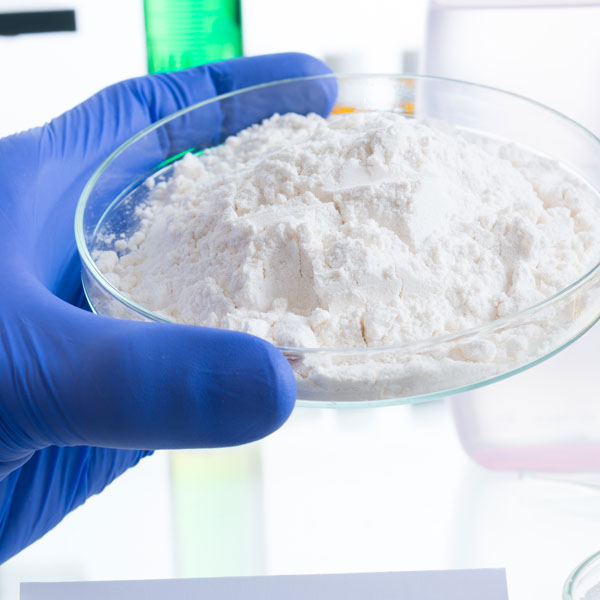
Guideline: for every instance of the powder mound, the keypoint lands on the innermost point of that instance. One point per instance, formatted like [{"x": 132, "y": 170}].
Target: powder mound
[{"x": 362, "y": 229}]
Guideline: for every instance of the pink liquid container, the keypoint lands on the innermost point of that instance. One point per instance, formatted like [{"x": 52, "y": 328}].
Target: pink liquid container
[{"x": 545, "y": 419}]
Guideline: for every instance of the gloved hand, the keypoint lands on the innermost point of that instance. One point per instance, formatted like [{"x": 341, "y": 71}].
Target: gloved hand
[{"x": 84, "y": 397}]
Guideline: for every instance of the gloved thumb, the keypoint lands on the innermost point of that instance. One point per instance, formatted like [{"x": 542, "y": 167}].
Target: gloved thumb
[{"x": 126, "y": 384}]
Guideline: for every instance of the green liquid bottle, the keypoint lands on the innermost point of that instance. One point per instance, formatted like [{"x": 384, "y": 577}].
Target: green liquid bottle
[{"x": 186, "y": 33}]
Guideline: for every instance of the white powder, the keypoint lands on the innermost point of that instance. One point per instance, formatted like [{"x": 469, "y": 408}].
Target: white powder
[{"x": 360, "y": 230}]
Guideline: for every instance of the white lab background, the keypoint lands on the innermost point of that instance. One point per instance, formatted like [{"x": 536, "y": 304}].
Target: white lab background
[{"x": 332, "y": 491}]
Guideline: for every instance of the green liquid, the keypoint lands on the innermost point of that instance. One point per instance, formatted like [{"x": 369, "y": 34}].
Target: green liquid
[{"x": 186, "y": 33}]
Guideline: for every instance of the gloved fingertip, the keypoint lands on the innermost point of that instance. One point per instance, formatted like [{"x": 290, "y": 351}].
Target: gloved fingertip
[
  {"x": 263, "y": 390},
  {"x": 282, "y": 387},
  {"x": 159, "y": 385},
  {"x": 303, "y": 65}
]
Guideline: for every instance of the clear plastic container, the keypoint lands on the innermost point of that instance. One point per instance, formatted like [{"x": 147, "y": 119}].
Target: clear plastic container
[
  {"x": 373, "y": 376},
  {"x": 548, "y": 419}
]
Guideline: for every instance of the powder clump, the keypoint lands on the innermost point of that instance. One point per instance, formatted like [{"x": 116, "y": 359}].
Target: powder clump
[{"x": 359, "y": 230}]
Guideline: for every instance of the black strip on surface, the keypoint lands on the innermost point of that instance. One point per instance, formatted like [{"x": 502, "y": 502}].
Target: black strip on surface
[{"x": 37, "y": 22}]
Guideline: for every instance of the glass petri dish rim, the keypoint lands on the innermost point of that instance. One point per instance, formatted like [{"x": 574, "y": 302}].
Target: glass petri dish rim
[
  {"x": 416, "y": 345},
  {"x": 576, "y": 573}
]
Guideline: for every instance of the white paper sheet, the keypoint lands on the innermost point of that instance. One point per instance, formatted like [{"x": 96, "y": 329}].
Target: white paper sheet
[{"x": 479, "y": 584}]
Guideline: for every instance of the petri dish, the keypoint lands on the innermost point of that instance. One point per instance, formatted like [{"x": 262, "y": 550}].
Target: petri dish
[
  {"x": 584, "y": 582},
  {"x": 373, "y": 376}
]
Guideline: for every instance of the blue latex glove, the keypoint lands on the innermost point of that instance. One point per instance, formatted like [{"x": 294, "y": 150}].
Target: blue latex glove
[{"x": 85, "y": 397}]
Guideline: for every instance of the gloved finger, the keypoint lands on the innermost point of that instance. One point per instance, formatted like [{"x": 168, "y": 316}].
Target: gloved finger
[
  {"x": 99, "y": 125},
  {"x": 54, "y": 482},
  {"x": 91, "y": 380}
]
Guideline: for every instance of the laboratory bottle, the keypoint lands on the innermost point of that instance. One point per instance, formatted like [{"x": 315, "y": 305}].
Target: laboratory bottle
[{"x": 185, "y": 33}]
